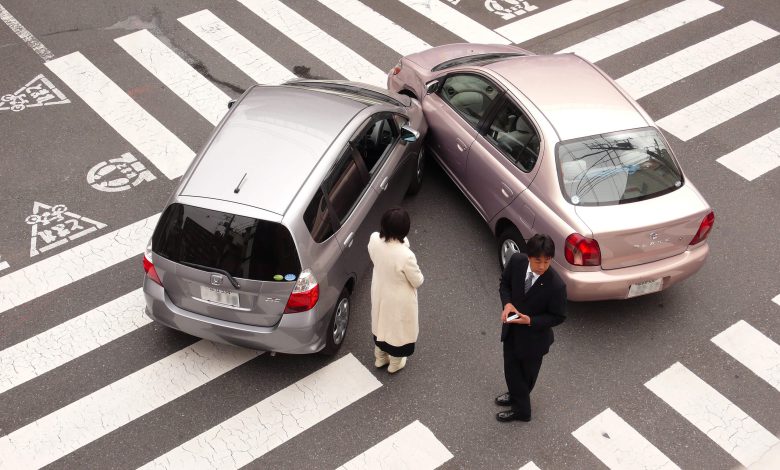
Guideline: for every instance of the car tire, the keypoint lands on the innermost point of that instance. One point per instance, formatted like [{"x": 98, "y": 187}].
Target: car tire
[
  {"x": 338, "y": 324},
  {"x": 509, "y": 242},
  {"x": 419, "y": 172}
]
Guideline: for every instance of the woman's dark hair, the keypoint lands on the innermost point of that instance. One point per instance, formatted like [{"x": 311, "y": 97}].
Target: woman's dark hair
[
  {"x": 540, "y": 245},
  {"x": 394, "y": 225}
]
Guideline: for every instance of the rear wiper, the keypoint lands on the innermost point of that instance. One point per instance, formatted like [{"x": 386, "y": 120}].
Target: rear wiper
[{"x": 216, "y": 270}]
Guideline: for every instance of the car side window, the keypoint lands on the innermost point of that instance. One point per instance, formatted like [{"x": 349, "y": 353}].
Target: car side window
[
  {"x": 512, "y": 133},
  {"x": 345, "y": 183},
  {"x": 317, "y": 218},
  {"x": 375, "y": 141},
  {"x": 470, "y": 95}
]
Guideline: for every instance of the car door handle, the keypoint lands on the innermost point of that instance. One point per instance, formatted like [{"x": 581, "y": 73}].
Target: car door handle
[
  {"x": 461, "y": 146},
  {"x": 383, "y": 184},
  {"x": 506, "y": 191},
  {"x": 350, "y": 238}
]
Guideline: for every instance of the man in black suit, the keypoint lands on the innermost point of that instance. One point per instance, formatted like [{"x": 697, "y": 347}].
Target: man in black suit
[{"x": 537, "y": 296}]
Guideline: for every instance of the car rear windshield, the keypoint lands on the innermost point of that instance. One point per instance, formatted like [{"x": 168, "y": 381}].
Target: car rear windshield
[
  {"x": 482, "y": 59},
  {"x": 617, "y": 168},
  {"x": 245, "y": 247}
]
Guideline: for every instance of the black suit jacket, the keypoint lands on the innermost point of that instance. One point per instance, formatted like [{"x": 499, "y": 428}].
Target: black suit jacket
[{"x": 545, "y": 303}]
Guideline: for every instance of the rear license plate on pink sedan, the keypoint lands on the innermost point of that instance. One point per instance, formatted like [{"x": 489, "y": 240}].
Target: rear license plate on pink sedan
[
  {"x": 219, "y": 296},
  {"x": 647, "y": 287}
]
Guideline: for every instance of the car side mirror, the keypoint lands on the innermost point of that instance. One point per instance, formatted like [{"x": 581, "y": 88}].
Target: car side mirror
[
  {"x": 231, "y": 103},
  {"x": 431, "y": 87},
  {"x": 408, "y": 134}
]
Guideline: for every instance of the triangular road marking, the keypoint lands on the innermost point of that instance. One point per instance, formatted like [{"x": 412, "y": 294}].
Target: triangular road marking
[
  {"x": 55, "y": 226},
  {"x": 38, "y": 92}
]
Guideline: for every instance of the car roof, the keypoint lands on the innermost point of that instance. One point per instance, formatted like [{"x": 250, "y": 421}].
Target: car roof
[
  {"x": 574, "y": 95},
  {"x": 272, "y": 140}
]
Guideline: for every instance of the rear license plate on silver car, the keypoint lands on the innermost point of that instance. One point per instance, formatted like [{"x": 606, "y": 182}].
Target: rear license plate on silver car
[
  {"x": 219, "y": 296},
  {"x": 647, "y": 287}
]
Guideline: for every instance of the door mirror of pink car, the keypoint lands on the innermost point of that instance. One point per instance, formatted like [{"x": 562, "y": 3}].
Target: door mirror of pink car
[
  {"x": 431, "y": 87},
  {"x": 408, "y": 134}
]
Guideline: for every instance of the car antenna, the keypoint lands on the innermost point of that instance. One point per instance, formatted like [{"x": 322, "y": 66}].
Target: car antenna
[{"x": 238, "y": 187}]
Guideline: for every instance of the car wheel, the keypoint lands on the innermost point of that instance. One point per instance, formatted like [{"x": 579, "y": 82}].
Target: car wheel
[
  {"x": 337, "y": 327},
  {"x": 509, "y": 242},
  {"x": 419, "y": 172}
]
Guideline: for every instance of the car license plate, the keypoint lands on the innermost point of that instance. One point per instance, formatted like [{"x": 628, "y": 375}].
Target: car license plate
[
  {"x": 647, "y": 287},
  {"x": 219, "y": 296}
]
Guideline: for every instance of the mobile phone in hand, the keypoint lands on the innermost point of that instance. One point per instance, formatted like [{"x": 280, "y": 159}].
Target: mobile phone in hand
[{"x": 512, "y": 317}]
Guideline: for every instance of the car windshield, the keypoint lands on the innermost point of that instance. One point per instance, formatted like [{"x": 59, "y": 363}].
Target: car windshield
[
  {"x": 617, "y": 168},
  {"x": 482, "y": 59}
]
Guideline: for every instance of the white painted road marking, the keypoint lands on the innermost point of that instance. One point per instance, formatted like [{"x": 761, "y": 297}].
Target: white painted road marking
[
  {"x": 316, "y": 41},
  {"x": 726, "y": 104},
  {"x": 192, "y": 87},
  {"x": 556, "y": 17},
  {"x": 381, "y": 28},
  {"x": 717, "y": 417},
  {"x": 26, "y": 36},
  {"x": 413, "y": 447},
  {"x": 529, "y": 466},
  {"x": 158, "y": 144},
  {"x": 3, "y": 265},
  {"x": 753, "y": 349},
  {"x": 118, "y": 174},
  {"x": 695, "y": 58},
  {"x": 619, "y": 445},
  {"x": 237, "y": 49},
  {"x": 275, "y": 420},
  {"x": 55, "y": 226},
  {"x": 455, "y": 21},
  {"x": 776, "y": 299},
  {"x": 755, "y": 158},
  {"x": 39, "y": 91},
  {"x": 50, "y": 274},
  {"x": 72, "y": 339},
  {"x": 636, "y": 32},
  {"x": 83, "y": 421}
]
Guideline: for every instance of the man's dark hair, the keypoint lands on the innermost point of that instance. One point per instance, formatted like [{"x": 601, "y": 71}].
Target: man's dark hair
[
  {"x": 540, "y": 245},
  {"x": 394, "y": 225}
]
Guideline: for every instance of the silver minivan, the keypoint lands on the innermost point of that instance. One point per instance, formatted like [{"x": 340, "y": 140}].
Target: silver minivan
[{"x": 264, "y": 239}]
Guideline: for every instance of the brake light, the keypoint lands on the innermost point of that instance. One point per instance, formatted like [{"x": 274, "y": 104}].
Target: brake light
[
  {"x": 151, "y": 273},
  {"x": 305, "y": 293},
  {"x": 581, "y": 251},
  {"x": 396, "y": 70},
  {"x": 704, "y": 229}
]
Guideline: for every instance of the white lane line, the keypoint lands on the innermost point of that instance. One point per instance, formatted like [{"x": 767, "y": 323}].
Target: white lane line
[
  {"x": 50, "y": 274},
  {"x": 413, "y": 447},
  {"x": 275, "y": 420},
  {"x": 529, "y": 466},
  {"x": 158, "y": 144},
  {"x": 620, "y": 446},
  {"x": 755, "y": 158},
  {"x": 67, "y": 341},
  {"x": 455, "y": 21},
  {"x": 176, "y": 74},
  {"x": 385, "y": 31},
  {"x": 726, "y": 104},
  {"x": 237, "y": 49},
  {"x": 83, "y": 421},
  {"x": 717, "y": 417},
  {"x": 753, "y": 349},
  {"x": 4, "y": 265},
  {"x": 554, "y": 18},
  {"x": 776, "y": 299},
  {"x": 316, "y": 41},
  {"x": 26, "y": 36},
  {"x": 695, "y": 58},
  {"x": 641, "y": 30}
]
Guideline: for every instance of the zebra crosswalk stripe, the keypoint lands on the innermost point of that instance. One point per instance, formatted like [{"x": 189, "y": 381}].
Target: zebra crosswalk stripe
[
  {"x": 755, "y": 158},
  {"x": 713, "y": 414},
  {"x": 237, "y": 49},
  {"x": 638, "y": 31},
  {"x": 618, "y": 445},
  {"x": 316, "y": 41},
  {"x": 192, "y": 87},
  {"x": 158, "y": 144},
  {"x": 753, "y": 349},
  {"x": 87, "y": 419},
  {"x": 692, "y": 59},
  {"x": 456, "y": 22},
  {"x": 275, "y": 420},
  {"x": 413, "y": 447}
]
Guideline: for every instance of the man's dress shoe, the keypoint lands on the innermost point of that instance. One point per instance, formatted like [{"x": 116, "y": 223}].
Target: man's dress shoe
[
  {"x": 510, "y": 415},
  {"x": 504, "y": 400}
]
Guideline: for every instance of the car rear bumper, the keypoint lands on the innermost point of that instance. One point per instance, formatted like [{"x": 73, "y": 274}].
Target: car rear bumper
[
  {"x": 615, "y": 283},
  {"x": 296, "y": 333}
]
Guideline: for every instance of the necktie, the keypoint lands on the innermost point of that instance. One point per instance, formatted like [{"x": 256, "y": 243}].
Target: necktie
[{"x": 529, "y": 281}]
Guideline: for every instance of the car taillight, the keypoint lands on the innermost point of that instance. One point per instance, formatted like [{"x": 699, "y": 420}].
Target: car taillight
[
  {"x": 396, "y": 70},
  {"x": 151, "y": 273},
  {"x": 304, "y": 295},
  {"x": 581, "y": 251},
  {"x": 704, "y": 229}
]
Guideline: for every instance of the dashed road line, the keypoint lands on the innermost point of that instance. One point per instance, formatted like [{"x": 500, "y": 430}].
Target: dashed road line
[{"x": 25, "y": 35}]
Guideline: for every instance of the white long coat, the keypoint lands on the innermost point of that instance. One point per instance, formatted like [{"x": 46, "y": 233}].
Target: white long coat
[{"x": 394, "y": 284}]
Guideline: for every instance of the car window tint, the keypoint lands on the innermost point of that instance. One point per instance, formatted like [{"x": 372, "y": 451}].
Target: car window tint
[
  {"x": 469, "y": 95},
  {"x": 344, "y": 185},
  {"x": 317, "y": 218},
  {"x": 512, "y": 134},
  {"x": 375, "y": 141},
  {"x": 617, "y": 168}
]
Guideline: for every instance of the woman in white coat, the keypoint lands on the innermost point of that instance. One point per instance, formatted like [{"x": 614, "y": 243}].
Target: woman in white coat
[{"x": 394, "y": 284}]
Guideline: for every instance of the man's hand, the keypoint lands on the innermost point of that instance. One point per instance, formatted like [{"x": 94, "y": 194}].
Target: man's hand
[
  {"x": 509, "y": 309},
  {"x": 521, "y": 319}
]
